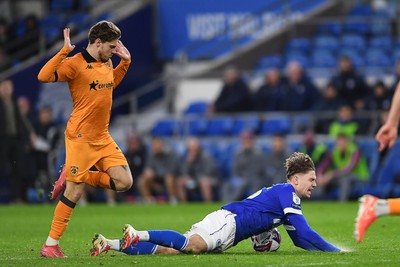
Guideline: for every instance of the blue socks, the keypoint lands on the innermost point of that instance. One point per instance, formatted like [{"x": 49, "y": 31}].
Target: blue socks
[
  {"x": 165, "y": 238},
  {"x": 141, "y": 248},
  {"x": 168, "y": 238}
]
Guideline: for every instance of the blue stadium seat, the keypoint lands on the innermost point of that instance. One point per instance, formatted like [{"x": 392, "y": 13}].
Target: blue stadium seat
[
  {"x": 279, "y": 124},
  {"x": 300, "y": 43},
  {"x": 323, "y": 58},
  {"x": 376, "y": 57},
  {"x": 330, "y": 28},
  {"x": 361, "y": 10},
  {"x": 61, "y": 5},
  {"x": 380, "y": 27},
  {"x": 196, "y": 107},
  {"x": 53, "y": 20},
  {"x": 248, "y": 122},
  {"x": 79, "y": 21},
  {"x": 165, "y": 127},
  {"x": 381, "y": 42},
  {"x": 197, "y": 126},
  {"x": 354, "y": 41},
  {"x": 270, "y": 61},
  {"x": 355, "y": 26},
  {"x": 326, "y": 42},
  {"x": 219, "y": 126}
]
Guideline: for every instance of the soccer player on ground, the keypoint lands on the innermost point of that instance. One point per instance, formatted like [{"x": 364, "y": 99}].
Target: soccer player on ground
[
  {"x": 91, "y": 79},
  {"x": 372, "y": 207},
  {"x": 234, "y": 222}
]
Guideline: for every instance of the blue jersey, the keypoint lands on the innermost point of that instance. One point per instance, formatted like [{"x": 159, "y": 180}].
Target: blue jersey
[
  {"x": 264, "y": 210},
  {"x": 271, "y": 207}
]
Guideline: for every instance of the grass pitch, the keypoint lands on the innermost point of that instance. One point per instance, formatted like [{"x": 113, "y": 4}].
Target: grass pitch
[{"x": 24, "y": 228}]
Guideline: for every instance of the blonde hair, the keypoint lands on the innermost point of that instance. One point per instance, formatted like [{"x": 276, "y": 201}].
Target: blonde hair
[{"x": 298, "y": 163}]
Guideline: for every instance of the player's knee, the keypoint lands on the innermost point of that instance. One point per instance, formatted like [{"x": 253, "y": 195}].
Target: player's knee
[{"x": 126, "y": 184}]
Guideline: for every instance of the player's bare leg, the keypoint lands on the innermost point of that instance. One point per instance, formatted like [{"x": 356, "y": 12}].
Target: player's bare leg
[{"x": 121, "y": 176}]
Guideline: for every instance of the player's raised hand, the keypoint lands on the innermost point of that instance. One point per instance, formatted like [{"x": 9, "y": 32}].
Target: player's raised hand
[
  {"x": 67, "y": 39},
  {"x": 122, "y": 51},
  {"x": 386, "y": 136}
]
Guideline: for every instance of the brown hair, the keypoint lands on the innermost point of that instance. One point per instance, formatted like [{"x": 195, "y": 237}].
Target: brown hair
[
  {"x": 298, "y": 163},
  {"x": 105, "y": 30}
]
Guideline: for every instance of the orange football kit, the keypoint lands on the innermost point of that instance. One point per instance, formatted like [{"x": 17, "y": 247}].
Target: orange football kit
[{"x": 87, "y": 140}]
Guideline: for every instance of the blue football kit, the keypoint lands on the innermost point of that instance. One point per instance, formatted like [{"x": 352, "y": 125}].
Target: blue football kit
[{"x": 271, "y": 207}]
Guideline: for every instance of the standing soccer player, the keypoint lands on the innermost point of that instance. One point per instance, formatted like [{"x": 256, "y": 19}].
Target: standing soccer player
[
  {"x": 236, "y": 221},
  {"x": 371, "y": 207},
  {"x": 91, "y": 79}
]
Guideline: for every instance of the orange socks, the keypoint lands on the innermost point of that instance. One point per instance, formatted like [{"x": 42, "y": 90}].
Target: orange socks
[
  {"x": 62, "y": 214},
  {"x": 394, "y": 205},
  {"x": 100, "y": 179}
]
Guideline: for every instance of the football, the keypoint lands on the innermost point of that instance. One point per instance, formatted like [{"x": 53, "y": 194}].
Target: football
[{"x": 268, "y": 241}]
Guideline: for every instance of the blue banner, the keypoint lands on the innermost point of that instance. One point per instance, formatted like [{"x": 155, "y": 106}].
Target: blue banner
[{"x": 208, "y": 28}]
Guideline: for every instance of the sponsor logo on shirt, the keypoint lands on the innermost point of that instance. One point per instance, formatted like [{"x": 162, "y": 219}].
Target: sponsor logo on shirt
[{"x": 100, "y": 86}]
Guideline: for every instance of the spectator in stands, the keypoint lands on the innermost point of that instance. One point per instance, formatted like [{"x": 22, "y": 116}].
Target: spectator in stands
[
  {"x": 351, "y": 87},
  {"x": 198, "y": 171},
  {"x": 12, "y": 131},
  {"x": 345, "y": 123},
  {"x": 45, "y": 141},
  {"x": 273, "y": 167},
  {"x": 300, "y": 93},
  {"x": 317, "y": 151},
  {"x": 6, "y": 35},
  {"x": 343, "y": 167},
  {"x": 161, "y": 170},
  {"x": 380, "y": 98},
  {"x": 270, "y": 96},
  {"x": 330, "y": 102},
  {"x": 248, "y": 170},
  {"x": 136, "y": 157},
  {"x": 235, "y": 95}
]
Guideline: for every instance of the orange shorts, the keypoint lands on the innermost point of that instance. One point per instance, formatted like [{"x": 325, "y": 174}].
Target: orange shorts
[{"x": 81, "y": 156}]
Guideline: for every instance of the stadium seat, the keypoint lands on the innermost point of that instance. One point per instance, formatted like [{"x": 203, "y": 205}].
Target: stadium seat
[
  {"x": 326, "y": 42},
  {"x": 276, "y": 125},
  {"x": 248, "y": 122},
  {"x": 165, "y": 127},
  {"x": 196, "y": 107},
  {"x": 360, "y": 10},
  {"x": 300, "y": 43},
  {"x": 323, "y": 58},
  {"x": 333, "y": 28},
  {"x": 270, "y": 61},
  {"x": 53, "y": 20},
  {"x": 79, "y": 22},
  {"x": 219, "y": 126},
  {"x": 381, "y": 42},
  {"x": 356, "y": 26},
  {"x": 61, "y": 5},
  {"x": 376, "y": 57},
  {"x": 196, "y": 126},
  {"x": 354, "y": 41},
  {"x": 380, "y": 27}
]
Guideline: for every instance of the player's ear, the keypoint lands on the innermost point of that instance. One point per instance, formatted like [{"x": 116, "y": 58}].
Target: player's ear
[
  {"x": 97, "y": 42},
  {"x": 295, "y": 179}
]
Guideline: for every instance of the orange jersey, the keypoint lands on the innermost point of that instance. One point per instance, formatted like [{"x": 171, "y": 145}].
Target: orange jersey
[{"x": 91, "y": 84}]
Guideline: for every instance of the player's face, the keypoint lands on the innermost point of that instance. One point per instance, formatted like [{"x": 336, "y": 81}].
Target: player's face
[
  {"x": 106, "y": 50},
  {"x": 304, "y": 183}
]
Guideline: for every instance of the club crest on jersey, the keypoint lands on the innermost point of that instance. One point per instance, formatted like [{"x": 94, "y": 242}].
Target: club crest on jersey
[
  {"x": 74, "y": 170},
  {"x": 296, "y": 199}
]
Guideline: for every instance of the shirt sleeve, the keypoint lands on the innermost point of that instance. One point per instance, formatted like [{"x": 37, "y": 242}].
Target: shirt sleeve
[
  {"x": 120, "y": 71},
  {"x": 304, "y": 237},
  {"x": 58, "y": 68},
  {"x": 290, "y": 202}
]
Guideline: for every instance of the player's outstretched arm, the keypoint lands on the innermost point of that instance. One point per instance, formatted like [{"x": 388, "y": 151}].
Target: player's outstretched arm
[
  {"x": 48, "y": 73},
  {"x": 306, "y": 238},
  {"x": 387, "y": 134}
]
